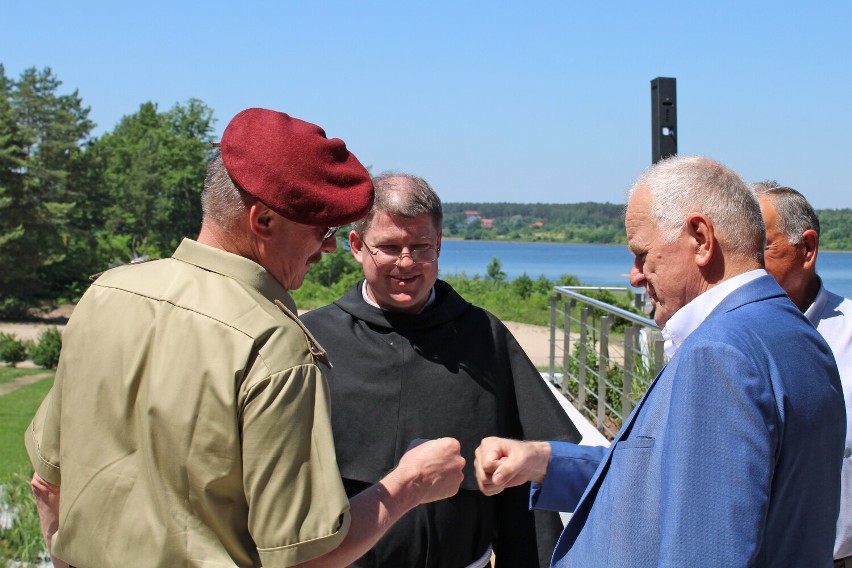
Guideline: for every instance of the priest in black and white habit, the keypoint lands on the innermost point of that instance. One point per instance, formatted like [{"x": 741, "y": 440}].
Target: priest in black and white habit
[{"x": 411, "y": 359}]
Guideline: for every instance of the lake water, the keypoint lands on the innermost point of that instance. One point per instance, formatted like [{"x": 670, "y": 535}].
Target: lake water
[{"x": 598, "y": 265}]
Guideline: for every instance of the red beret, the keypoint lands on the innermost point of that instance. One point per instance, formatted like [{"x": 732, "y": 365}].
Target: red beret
[{"x": 289, "y": 165}]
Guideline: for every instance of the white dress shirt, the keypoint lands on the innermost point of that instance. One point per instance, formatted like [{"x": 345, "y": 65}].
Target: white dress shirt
[
  {"x": 690, "y": 316},
  {"x": 832, "y": 316}
]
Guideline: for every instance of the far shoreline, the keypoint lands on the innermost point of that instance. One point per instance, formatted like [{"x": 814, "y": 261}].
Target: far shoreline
[
  {"x": 546, "y": 242},
  {"x": 461, "y": 239}
]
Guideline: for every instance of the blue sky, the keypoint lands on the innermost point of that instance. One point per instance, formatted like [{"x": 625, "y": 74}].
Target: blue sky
[{"x": 489, "y": 101}]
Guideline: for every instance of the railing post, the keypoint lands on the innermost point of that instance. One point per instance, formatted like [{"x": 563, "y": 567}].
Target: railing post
[
  {"x": 566, "y": 341},
  {"x": 630, "y": 334},
  {"x": 603, "y": 365},
  {"x": 625, "y": 363},
  {"x": 553, "y": 299},
  {"x": 638, "y": 301},
  {"x": 583, "y": 355}
]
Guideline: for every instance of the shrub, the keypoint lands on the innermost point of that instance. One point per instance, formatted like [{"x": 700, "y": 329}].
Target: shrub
[
  {"x": 45, "y": 352},
  {"x": 13, "y": 308},
  {"x": 12, "y": 349},
  {"x": 523, "y": 286}
]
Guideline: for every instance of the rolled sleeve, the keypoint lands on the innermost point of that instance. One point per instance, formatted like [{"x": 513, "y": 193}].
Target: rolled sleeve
[{"x": 42, "y": 439}]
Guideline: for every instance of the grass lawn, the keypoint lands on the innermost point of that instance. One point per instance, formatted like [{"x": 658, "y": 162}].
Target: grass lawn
[
  {"x": 10, "y": 373},
  {"x": 21, "y": 544},
  {"x": 16, "y": 411}
]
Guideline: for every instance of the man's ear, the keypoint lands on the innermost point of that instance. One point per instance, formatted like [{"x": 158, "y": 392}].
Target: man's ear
[
  {"x": 700, "y": 229},
  {"x": 261, "y": 218},
  {"x": 810, "y": 242},
  {"x": 356, "y": 247}
]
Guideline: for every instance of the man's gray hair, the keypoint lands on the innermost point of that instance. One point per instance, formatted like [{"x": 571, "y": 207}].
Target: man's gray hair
[
  {"x": 222, "y": 202},
  {"x": 684, "y": 184},
  {"x": 405, "y": 195},
  {"x": 795, "y": 214}
]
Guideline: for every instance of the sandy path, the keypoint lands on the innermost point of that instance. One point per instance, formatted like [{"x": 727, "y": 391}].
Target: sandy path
[{"x": 534, "y": 339}]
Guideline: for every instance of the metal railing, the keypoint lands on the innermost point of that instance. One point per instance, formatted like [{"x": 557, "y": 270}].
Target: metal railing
[{"x": 605, "y": 357}]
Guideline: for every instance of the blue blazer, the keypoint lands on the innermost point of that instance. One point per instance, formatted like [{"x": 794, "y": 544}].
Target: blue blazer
[{"x": 732, "y": 458}]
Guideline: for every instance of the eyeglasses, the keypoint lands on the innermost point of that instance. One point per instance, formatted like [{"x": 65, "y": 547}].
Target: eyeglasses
[
  {"x": 393, "y": 255},
  {"x": 329, "y": 233}
]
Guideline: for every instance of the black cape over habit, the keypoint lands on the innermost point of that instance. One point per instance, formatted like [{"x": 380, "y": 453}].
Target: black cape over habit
[{"x": 452, "y": 370}]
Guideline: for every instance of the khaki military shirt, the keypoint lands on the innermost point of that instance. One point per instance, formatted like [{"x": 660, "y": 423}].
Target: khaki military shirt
[{"x": 189, "y": 424}]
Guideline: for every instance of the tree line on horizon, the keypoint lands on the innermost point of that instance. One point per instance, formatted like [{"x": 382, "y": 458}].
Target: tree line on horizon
[
  {"x": 73, "y": 204},
  {"x": 585, "y": 223}
]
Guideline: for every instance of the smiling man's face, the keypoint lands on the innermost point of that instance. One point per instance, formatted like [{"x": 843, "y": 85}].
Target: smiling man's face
[{"x": 402, "y": 286}]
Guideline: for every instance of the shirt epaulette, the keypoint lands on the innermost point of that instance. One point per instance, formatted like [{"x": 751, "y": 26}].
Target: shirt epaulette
[
  {"x": 314, "y": 346},
  {"x": 140, "y": 260}
]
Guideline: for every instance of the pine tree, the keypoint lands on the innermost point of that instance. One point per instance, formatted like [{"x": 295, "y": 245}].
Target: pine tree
[
  {"x": 16, "y": 264},
  {"x": 42, "y": 133}
]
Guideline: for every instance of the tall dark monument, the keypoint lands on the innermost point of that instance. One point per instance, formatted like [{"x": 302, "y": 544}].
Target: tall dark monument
[{"x": 663, "y": 118}]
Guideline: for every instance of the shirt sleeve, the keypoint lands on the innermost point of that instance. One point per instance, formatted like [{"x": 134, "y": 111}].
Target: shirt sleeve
[
  {"x": 298, "y": 509},
  {"x": 569, "y": 471},
  {"x": 42, "y": 437}
]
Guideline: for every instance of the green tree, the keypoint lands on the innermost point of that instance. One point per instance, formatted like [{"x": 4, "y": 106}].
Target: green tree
[
  {"x": 551, "y": 222},
  {"x": 13, "y": 245},
  {"x": 42, "y": 137},
  {"x": 153, "y": 167},
  {"x": 495, "y": 270}
]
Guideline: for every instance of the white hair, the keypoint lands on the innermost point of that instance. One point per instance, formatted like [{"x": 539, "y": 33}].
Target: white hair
[{"x": 681, "y": 185}]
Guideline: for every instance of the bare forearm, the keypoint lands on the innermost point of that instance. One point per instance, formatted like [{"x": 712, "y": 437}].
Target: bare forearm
[
  {"x": 47, "y": 503},
  {"x": 373, "y": 512}
]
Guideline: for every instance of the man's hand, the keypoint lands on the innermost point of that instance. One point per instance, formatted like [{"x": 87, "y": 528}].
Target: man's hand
[
  {"x": 47, "y": 503},
  {"x": 502, "y": 463},
  {"x": 431, "y": 470}
]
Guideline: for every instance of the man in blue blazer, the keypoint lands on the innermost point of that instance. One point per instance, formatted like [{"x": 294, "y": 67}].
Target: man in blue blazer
[{"x": 733, "y": 456}]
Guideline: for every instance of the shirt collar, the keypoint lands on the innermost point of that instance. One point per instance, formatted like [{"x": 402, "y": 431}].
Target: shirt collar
[
  {"x": 370, "y": 301},
  {"x": 234, "y": 266},
  {"x": 689, "y": 317},
  {"x": 815, "y": 309}
]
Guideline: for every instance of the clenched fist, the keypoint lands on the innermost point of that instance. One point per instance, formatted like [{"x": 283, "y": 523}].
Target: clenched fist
[
  {"x": 432, "y": 468},
  {"x": 502, "y": 463}
]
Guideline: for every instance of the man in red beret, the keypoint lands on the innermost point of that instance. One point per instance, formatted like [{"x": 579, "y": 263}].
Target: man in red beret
[{"x": 198, "y": 432}]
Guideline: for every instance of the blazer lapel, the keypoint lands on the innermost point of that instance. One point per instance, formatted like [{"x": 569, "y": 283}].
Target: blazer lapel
[{"x": 581, "y": 513}]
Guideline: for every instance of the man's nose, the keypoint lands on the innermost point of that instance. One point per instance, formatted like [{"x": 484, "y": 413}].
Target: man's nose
[
  {"x": 405, "y": 259},
  {"x": 329, "y": 245},
  {"x": 637, "y": 277}
]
